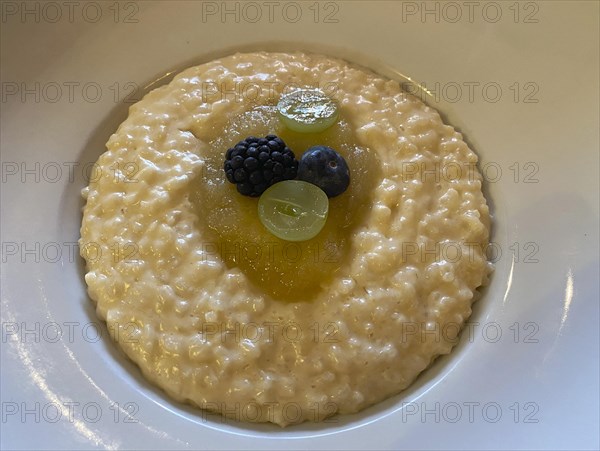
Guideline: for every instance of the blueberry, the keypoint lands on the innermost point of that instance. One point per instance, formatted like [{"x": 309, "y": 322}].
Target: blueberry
[{"x": 324, "y": 167}]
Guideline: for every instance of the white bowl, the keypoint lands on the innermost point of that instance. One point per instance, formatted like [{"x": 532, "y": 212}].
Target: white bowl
[{"x": 520, "y": 80}]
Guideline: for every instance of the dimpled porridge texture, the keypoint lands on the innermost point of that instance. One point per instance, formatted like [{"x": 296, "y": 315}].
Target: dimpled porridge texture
[{"x": 199, "y": 328}]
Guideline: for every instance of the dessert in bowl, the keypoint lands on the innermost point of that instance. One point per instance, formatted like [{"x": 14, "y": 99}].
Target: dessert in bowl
[{"x": 219, "y": 309}]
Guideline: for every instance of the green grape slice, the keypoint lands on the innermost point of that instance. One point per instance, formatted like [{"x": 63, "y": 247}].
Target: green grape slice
[
  {"x": 307, "y": 111},
  {"x": 293, "y": 210}
]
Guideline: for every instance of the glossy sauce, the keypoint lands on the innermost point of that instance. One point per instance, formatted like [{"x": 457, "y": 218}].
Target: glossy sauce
[{"x": 288, "y": 271}]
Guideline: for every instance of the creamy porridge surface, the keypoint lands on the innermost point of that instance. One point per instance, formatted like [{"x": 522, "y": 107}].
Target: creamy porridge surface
[{"x": 199, "y": 329}]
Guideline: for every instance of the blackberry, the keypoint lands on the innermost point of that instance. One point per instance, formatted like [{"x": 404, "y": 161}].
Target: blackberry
[{"x": 254, "y": 164}]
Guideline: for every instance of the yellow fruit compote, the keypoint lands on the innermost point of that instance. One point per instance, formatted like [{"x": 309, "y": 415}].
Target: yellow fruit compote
[{"x": 288, "y": 271}]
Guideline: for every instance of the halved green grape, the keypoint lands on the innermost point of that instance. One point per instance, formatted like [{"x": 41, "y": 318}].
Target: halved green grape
[
  {"x": 293, "y": 210},
  {"x": 307, "y": 111}
]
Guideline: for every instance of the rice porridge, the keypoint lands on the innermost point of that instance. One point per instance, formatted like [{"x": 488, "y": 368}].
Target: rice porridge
[{"x": 220, "y": 313}]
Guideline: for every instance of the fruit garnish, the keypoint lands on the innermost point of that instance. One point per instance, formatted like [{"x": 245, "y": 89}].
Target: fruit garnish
[
  {"x": 235, "y": 233},
  {"x": 293, "y": 210},
  {"x": 254, "y": 164},
  {"x": 325, "y": 168},
  {"x": 307, "y": 111}
]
